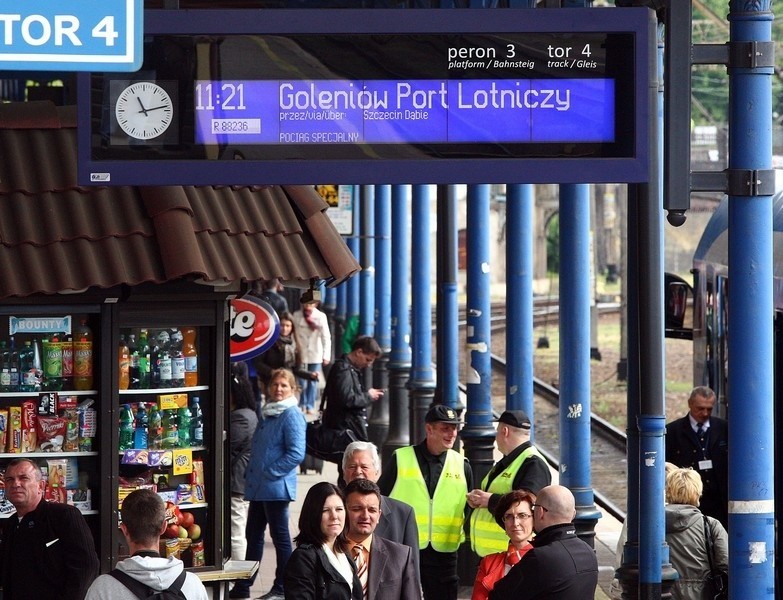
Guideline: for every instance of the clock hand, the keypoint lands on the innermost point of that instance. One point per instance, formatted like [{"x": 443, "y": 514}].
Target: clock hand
[
  {"x": 157, "y": 107},
  {"x": 144, "y": 110}
]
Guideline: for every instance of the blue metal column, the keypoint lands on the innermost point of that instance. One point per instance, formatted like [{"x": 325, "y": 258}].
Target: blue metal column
[
  {"x": 575, "y": 291},
  {"x": 379, "y": 419},
  {"x": 341, "y": 300},
  {"x": 575, "y": 406},
  {"x": 520, "y": 202},
  {"x": 751, "y": 351},
  {"x": 422, "y": 383},
  {"x": 447, "y": 309},
  {"x": 367, "y": 276},
  {"x": 329, "y": 305},
  {"x": 400, "y": 359}
]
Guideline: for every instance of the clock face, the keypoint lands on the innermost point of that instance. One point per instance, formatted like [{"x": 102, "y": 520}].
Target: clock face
[{"x": 144, "y": 110}]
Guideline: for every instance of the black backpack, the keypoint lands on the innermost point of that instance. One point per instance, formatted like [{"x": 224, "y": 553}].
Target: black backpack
[{"x": 145, "y": 592}]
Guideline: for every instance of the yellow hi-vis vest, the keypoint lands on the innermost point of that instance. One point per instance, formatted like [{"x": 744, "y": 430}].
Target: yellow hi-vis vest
[
  {"x": 485, "y": 535},
  {"x": 441, "y": 518}
]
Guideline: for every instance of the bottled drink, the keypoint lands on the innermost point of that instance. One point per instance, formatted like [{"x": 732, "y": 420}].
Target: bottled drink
[
  {"x": 83, "y": 358},
  {"x": 196, "y": 423},
  {"x": 177, "y": 358},
  {"x": 144, "y": 360},
  {"x": 183, "y": 426},
  {"x": 13, "y": 366},
  {"x": 140, "y": 433},
  {"x": 170, "y": 432},
  {"x": 155, "y": 430},
  {"x": 30, "y": 377},
  {"x": 134, "y": 363},
  {"x": 124, "y": 364},
  {"x": 164, "y": 370},
  {"x": 191, "y": 356},
  {"x": 5, "y": 369},
  {"x": 53, "y": 363},
  {"x": 126, "y": 427},
  {"x": 159, "y": 346},
  {"x": 67, "y": 348},
  {"x": 38, "y": 362}
]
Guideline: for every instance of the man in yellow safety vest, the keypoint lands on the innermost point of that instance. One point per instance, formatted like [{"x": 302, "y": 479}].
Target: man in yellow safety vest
[
  {"x": 521, "y": 468},
  {"x": 434, "y": 480}
]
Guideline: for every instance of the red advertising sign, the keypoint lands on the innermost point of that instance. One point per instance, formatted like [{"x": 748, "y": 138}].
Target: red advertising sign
[{"x": 254, "y": 327}]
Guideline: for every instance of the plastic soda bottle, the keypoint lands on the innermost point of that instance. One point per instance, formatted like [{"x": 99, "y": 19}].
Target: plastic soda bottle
[
  {"x": 191, "y": 356},
  {"x": 5, "y": 369},
  {"x": 170, "y": 432},
  {"x": 155, "y": 429},
  {"x": 177, "y": 358},
  {"x": 196, "y": 422},
  {"x": 140, "y": 435},
  {"x": 83, "y": 357},
  {"x": 13, "y": 367},
  {"x": 30, "y": 377},
  {"x": 183, "y": 425},
  {"x": 125, "y": 360},
  {"x": 126, "y": 427},
  {"x": 144, "y": 360},
  {"x": 67, "y": 347},
  {"x": 53, "y": 363}
]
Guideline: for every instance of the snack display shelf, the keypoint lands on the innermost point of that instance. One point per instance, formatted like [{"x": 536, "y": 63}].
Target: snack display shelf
[
  {"x": 121, "y": 452},
  {"x": 38, "y": 393}
]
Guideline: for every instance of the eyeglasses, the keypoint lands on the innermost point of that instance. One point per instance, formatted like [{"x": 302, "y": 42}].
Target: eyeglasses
[
  {"x": 544, "y": 508},
  {"x": 509, "y": 517}
]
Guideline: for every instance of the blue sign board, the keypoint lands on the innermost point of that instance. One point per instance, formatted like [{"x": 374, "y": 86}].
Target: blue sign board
[
  {"x": 376, "y": 96},
  {"x": 75, "y": 35}
]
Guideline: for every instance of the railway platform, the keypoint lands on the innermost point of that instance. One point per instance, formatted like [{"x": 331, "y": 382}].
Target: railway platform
[{"x": 607, "y": 533}]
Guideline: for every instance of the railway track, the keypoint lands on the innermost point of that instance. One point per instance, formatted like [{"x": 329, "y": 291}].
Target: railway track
[{"x": 609, "y": 466}]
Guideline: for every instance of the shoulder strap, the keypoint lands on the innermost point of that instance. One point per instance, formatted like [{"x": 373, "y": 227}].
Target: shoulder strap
[
  {"x": 138, "y": 589},
  {"x": 708, "y": 539},
  {"x": 177, "y": 584}
]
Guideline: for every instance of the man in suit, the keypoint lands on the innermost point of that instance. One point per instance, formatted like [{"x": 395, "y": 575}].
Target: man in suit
[
  {"x": 560, "y": 565},
  {"x": 701, "y": 441},
  {"x": 397, "y": 522},
  {"x": 385, "y": 569}
]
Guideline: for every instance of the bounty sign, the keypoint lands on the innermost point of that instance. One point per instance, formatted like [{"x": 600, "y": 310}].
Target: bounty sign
[{"x": 74, "y": 35}]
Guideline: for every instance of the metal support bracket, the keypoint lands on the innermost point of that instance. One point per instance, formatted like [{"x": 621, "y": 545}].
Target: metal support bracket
[
  {"x": 735, "y": 182},
  {"x": 738, "y": 55}
]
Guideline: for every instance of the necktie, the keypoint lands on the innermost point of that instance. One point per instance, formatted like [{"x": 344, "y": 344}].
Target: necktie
[
  {"x": 699, "y": 429},
  {"x": 361, "y": 567}
]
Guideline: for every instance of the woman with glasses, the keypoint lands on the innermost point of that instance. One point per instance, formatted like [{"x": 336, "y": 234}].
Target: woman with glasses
[{"x": 514, "y": 513}]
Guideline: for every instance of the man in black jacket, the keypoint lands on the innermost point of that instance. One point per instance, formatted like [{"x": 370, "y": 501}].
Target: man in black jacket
[
  {"x": 560, "y": 565},
  {"x": 701, "y": 441},
  {"x": 47, "y": 550},
  {"x": 346, "y": 398}
]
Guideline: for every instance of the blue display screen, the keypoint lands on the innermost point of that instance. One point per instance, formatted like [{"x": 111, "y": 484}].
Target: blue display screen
[{"x": 404, "y": 111}]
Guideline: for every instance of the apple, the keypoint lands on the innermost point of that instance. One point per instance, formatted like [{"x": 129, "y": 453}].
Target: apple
[
  {"x": 186, "y": 519},
  {"x": 194, "y": 531},
  {"x": 182, "y": 533},
  {"x": 172, "y": 531}
]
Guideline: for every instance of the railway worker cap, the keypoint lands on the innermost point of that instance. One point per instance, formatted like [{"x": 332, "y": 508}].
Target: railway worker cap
[
  {"x": 515, "y": 418},
  {"x": 442, "y": 414}
]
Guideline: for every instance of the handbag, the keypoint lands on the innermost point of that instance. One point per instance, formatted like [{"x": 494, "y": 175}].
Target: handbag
[
  {"x": 326, "y": 443},
  {"x": 717, "y": 582}
]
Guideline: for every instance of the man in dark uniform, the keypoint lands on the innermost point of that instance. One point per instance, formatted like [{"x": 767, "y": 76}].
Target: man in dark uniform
[
  {"x": 701, "y": 441},
  {"x": 521, "y": 468},
  {"x": 434, "y": 479}
]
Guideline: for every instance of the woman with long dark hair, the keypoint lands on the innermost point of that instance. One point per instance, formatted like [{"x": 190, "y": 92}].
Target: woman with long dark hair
[{"x": 320, "y": 568}]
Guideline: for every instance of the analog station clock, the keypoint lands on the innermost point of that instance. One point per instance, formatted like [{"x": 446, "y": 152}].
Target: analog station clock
[{"x": 144, "y": 110}]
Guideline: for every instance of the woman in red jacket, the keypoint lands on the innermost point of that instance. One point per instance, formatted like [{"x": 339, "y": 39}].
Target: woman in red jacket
[{"x": 514, "y": 513}]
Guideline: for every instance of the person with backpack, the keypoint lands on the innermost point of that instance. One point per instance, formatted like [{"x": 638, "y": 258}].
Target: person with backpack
[{"x": 146, "y": 574}]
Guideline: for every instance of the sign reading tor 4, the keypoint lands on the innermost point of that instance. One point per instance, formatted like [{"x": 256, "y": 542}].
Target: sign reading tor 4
[{"x": 75, "y": 35}]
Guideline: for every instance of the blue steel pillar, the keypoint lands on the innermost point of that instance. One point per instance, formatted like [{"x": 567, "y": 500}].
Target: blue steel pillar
[
  {"x": 751, "y": 351},
  {"x": 379, "y": 419},
  {"x": 352, "y": 293},
  {"x": 329, "y": 305},
  {"x": 422, "y": 383},
  {"x": 478, "y": 435},
  {"x": 575, "y": 294},
  {"x": 367, "y": 276},
  {"x": 338, "y": 321},
  {"x": 575, "y": 390},
  {"x": 400, "y": 359},
  {"x": 446, "y": 309},
  {"x": 520, "y": 201}
]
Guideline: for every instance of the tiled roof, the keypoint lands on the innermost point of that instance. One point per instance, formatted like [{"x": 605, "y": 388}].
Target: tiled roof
[{"x": 56, "y": 236}]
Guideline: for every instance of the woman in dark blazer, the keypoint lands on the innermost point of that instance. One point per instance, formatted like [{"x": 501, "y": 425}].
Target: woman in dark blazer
[{"x": 319, "y": 568}]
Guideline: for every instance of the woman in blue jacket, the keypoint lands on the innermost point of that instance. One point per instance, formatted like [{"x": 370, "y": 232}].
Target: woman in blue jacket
[{"x": 270, "y": 478}]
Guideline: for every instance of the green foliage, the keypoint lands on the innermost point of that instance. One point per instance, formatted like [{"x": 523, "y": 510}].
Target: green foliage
[{"x": 553, "y": 244}]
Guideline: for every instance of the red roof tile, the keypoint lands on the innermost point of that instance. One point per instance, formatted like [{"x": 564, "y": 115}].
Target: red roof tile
[{"x": 56, "y": 236}]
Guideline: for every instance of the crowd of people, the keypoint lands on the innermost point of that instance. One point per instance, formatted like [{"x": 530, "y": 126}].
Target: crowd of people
[{"x": 377, "y": 534}]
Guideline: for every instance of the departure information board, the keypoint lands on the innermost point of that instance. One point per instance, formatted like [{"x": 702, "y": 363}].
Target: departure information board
[{"x": 384, "y": 96}]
